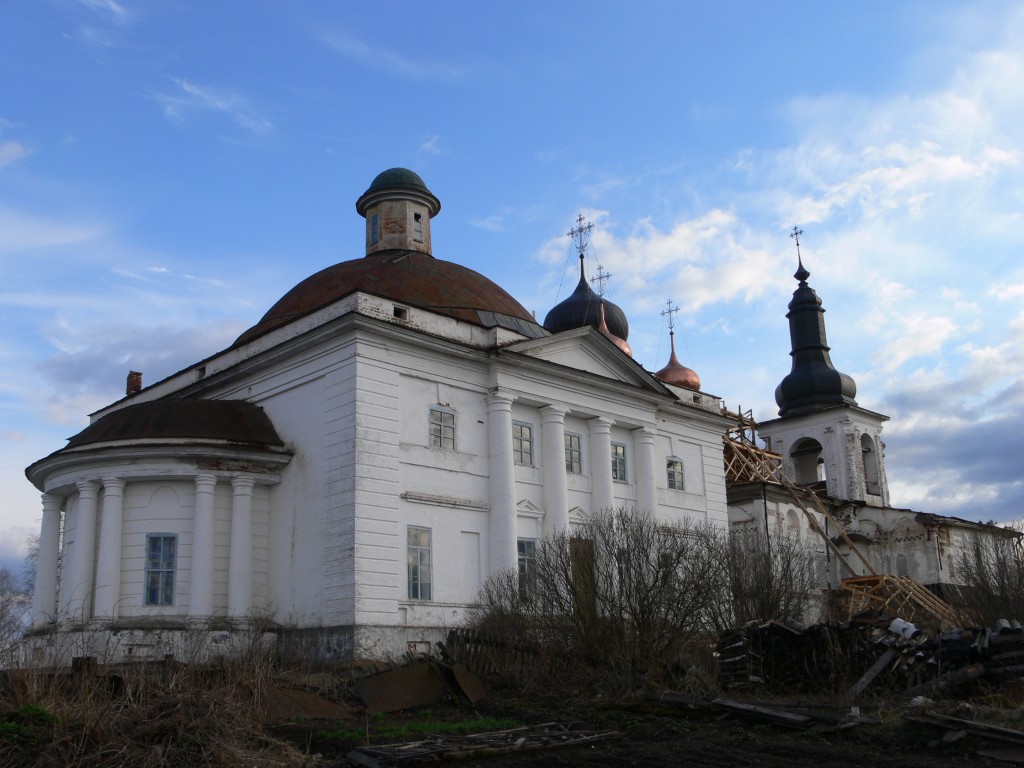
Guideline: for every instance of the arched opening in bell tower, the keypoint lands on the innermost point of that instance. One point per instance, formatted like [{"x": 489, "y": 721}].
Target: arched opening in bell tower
[{"x": 808, "y": 462}]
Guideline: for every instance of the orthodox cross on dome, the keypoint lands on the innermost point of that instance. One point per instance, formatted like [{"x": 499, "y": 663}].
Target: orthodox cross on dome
[
  {"x": 801, "y": 274},
  {"x": 580, "y": 235},
  {"x": 795, "y": 234},
  {"x": 600, "y": 280},
  {"x": 668, "y": 312}
]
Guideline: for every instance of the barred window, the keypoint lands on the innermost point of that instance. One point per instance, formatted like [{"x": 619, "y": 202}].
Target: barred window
[
  {"x": 573, "y": 454},
  {"x": 161, "y": 560},
  {"x": 442, "y": 427},
  {"x": 418, "y": 559},
  {"x": 619, "y": 463},
  {"x": 522, "y": 443},
  {"x": 674, "y": 468}
]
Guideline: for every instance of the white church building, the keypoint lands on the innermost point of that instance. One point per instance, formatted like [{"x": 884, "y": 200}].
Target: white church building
[{"x": 395, "y": 429}]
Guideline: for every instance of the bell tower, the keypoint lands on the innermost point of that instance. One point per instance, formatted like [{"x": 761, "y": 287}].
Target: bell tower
[{"x": 825, "y": 438}]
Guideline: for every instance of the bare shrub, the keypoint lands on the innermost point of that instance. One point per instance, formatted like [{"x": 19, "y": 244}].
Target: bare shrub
[
  {"x": 635, "y": 601},
  {"x": 14, "y": 607},
  {"x": 990, "y": 569},
  {"x": 771, "y": 576}
]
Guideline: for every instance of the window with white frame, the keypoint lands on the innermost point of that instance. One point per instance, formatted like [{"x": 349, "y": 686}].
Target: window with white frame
[
  {"x": 161, "y": 562},
  {"x": 418, "y": 559},
  {"x": 674, "y": 469},
  {"x": 619, "y": 463},
  {"x": 442, "y": 427},
  {"x": 527, "y": 552},
  {"x": 522, "y": 443},
  {"x": 573, "y": 454}
]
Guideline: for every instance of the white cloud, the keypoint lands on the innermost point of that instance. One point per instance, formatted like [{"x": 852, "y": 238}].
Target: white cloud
[
  {"x": 193, "y": 97},
  {"x": 432, "y": 145},
  {"x": 110, "y": 8},
  {"x": 11, "y": 151},
  {"x": 21, "y": 231},
  {"x": 380, "y": 58}
]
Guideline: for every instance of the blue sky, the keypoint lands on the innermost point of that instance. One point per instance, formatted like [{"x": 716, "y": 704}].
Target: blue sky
[{"x": 169, "y": 169}]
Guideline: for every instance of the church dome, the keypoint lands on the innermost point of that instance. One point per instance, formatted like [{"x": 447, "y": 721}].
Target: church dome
[
  {"x": 398, "y": 265},
  {"x": 616, "y": 340},
  {"x": 677, "y": 374},
  {"x": 583, "y": 307},
  {"x": 407, "y": 277}
]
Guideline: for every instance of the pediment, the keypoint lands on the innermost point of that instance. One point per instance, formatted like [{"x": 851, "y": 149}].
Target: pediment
[
  {"x": 577, "y": 516},
  {"x": 584, "y": 349},
  {"x": 527, "y": 508}
]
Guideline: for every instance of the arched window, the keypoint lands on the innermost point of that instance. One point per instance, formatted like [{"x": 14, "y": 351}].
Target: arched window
[
  {"x": 792, "y": 524},
  {"x": 872, "y": 484},
  {"x": 808, "y": 462},
  {"x": 902, "y": 568}
]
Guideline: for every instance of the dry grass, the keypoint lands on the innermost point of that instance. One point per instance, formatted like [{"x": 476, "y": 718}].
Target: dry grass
[{"x": 161, "y": 715}]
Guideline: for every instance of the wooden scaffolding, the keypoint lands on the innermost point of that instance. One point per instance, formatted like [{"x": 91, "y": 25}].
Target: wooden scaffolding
[{"x": 898, "y": 596}]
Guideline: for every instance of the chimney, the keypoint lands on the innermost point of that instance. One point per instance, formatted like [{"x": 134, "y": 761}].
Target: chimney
[{"x": 134, "y": 383}]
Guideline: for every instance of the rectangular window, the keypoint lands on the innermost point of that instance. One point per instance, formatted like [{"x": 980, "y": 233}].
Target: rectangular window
[
  {"x": 161, "y": 556},
  {"x": 522, "y": 443},
  {"x": 527, "y": 549},
  {"x": 573, "y": 454},
  {"x": 619, "y": 463},
  {"x": 442, "y": 428},
  {"x": 374, "y": 229},
  {"x": 418, "y": 558},
  {"x": 675, "y": 474}
]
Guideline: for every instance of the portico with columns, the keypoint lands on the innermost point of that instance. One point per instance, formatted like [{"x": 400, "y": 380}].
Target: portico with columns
[{"x": 99, "y": 514}]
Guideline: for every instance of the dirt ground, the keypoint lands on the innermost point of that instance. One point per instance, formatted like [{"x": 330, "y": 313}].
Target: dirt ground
[{"x": 653, "y": 734}]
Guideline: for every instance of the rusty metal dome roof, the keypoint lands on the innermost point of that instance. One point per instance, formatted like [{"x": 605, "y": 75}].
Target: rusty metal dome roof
[{"x": 408, "y": 277}]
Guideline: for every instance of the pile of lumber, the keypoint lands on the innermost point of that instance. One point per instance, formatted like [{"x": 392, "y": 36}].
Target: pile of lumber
[{"x": 870, "y": 653}]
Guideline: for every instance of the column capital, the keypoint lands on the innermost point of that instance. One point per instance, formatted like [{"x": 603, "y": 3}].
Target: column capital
[
  {"x": 113, "y": 486},
  {"x": 499, "y": 401},
  {"x": 206, "y": 483},
  {"x": 88, "y": 488},
  {"x": 553, "y": 413},
  {"x": 644, "y": 435},
  {"x": 52, "y": 502},
  {"x": 600, "y": 424},
  {"x": 242, "y": 483}
]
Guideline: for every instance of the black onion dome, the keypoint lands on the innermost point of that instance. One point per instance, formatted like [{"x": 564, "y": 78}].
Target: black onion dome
[
  {"x": 813, "y": 382},
  {"x": 583, "y": 307}
]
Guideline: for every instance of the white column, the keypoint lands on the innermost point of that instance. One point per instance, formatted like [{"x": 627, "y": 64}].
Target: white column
[
  {"x": 601, "y": 496},
  {"x": 80, "y": 579},
  {"x": 108, "y": 565},
  {"x": 240, "y": 562},
  {"x": 200, "y": 590},
  {"x": 646, "y": 495},
  {"x": 502, "y": 484},
  {"x": 555, "y": 492},
  {"x": 44, "y": 598}
]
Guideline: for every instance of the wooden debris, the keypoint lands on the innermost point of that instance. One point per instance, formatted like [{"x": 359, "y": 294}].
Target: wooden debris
[
  {"x": 451, "y": 747},
  {"x": 973, "y": 727},
  {"x": 880, "y": 653}
]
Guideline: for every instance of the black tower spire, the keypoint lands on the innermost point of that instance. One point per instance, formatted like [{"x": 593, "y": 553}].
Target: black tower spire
[{"x": 813, "y": 383}]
